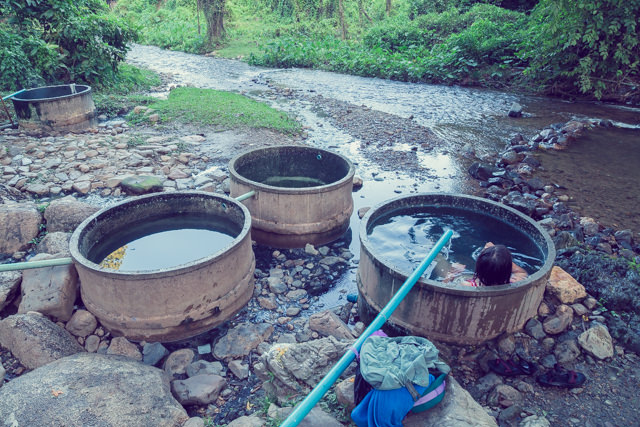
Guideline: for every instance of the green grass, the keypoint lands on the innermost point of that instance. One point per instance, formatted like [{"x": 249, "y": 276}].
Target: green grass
[
  {"x": 119, "y": 98},
  {"x": 223, "y": 110}
]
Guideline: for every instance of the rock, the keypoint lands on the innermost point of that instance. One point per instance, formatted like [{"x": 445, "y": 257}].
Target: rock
[
  {"x": 534, "y": 421},
  {"x": 195, "y": 422},
  {"x": 2, "y": 374},
  {"x": 9, "y": 287},
  {"x": 51, "y": 290},
  {"x": 55, "y": 243},
  {"x": 91, "y": 389},
  {"x": 457, "y": 409},
  {"x": 564, "y": 287},
  {"x": 35, "y": 340},
  {"x": 504, "y": 395},
  {"x": 327, "y": 323},
  {"x": 559, "y": 321},
  {"x": 200, "y": 367},
  {"x": 510, "y": 157},
  {"x": 624, "y": 238},
  {"x": 198, "y": 390},
  {"x": 245, "y": 421},
  {"x": 534, "y": 328},
  {"x": 239, "y": 341},
  {"x": 315, "y": 418},
  {"x": 92, "y": 343},
  {"x": 299, "y": 367},
  {"x": 515, "y": 110},
  {"x": 123, "y": 347},
  {"x": 66, "y": 214},
  {"x": 481, "y": 171},
  {"x": 597, "y": 342},
  {"x": 177, "y": 362},
  {"x": 486, "y": 383},
  {"x": 82, "y": 323},
  {"x": 141, "y": 184},
  {"x": 239, "y": 369},
  {"x": 357, "y": 183},
  {"x": 153, "y": 352},
  {"x": 19, "y": 225},
  {"x": 345, "y": 393},
  {"x": 567, "y": 351}
]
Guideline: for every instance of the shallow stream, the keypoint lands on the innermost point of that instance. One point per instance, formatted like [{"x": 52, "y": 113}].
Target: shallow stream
[{"x": 458, "y": 116}]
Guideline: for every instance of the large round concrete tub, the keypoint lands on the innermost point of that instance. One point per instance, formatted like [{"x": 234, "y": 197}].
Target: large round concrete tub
[
  {"x": 174, "y": 302},
  {"x": 61, "y": 108},
  {"x": 302, "y": 194},
  {"x": 451, "y": 312}
]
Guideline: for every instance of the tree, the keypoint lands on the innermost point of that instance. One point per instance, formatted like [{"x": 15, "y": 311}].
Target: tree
[
  {"x": 593, "y": 45},
  {"x": 388, "y": 7},
  {"x": 214, "y": 14},
  {"x": 53, "y": 41}
]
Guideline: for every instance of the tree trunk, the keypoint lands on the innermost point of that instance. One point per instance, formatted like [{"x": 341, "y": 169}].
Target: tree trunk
[
  {"x": 388, "y": 7},
  {"x": 214, "y": 14},
  {"x": 363, "y": 13},
  {"x": 343, "y": 24}
]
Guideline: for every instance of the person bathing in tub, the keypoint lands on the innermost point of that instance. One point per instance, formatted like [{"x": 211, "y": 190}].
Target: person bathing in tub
[{"x": 494, "y": 266}]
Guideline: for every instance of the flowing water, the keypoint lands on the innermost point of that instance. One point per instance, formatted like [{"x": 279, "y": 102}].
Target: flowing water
[
  {"x": 458, "y": 116},
  {"x": 163, "y": 243}
]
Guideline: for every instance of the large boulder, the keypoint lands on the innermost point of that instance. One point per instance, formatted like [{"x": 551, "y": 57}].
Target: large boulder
[
  {"x": 91, "y": 389},
  {"x": 457, "y": 409},
  {"x": 67, "y": 213},
  {"x": 9, "y": 286},
  {"x": 51, "y": 291},
  {"x": 19, "y": 225},
  {"x": 35, "y": 340}
]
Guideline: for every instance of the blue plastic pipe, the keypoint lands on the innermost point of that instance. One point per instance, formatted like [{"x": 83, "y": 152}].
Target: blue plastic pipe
[
  {"x": 13, "y": 94},
  {"x": 303, "y": 408}
]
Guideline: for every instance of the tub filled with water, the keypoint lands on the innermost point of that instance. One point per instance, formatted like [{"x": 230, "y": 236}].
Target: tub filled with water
[
  {"x": 395, "y": 237},
  {"x": 302, "y": 194},
  {"x": 166, "y": 266}
]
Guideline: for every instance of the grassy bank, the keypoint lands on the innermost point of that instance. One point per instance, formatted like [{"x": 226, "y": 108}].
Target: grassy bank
[{"x": 222, "y": 110}]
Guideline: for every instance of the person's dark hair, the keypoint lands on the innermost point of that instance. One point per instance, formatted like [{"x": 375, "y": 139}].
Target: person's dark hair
[{"x": 493, "y": 266}]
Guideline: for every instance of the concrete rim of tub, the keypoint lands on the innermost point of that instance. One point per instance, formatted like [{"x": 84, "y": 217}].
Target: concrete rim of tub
[
  {"x": 19, "y": 97},
  {"x": 461, "y": 290},
  {"x": 286, "y": 190},
  {"x": 164, "y": 272}
]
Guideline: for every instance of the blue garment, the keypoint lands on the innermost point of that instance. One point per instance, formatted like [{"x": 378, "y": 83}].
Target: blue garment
[{"x": 385, "y": 408}]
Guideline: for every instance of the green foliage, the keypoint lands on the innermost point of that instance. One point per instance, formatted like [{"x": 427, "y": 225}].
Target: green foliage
[
  {"x": 60, "y": 41},
  {"x": 173, "y": 26},
  {"x": 425, "y": 50},
  {"x": 592, "y": 45},
  {"x": 123, "y": 94},
  {"x": 224, "y": 110}
]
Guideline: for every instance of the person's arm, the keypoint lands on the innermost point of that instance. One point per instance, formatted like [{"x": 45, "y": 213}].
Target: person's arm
[{"x": 517, "y": 273}]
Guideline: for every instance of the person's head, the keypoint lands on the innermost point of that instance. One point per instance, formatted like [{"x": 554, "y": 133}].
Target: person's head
[{"x": 493, "y": 266}]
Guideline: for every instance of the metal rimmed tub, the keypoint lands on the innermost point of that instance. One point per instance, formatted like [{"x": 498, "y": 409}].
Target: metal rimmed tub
[
  {"x": 55, "y": 108},
  {"x": 302, "y": 194},
  {"x": 174, "y": 303},
  {"x": 441, "y": 311}
]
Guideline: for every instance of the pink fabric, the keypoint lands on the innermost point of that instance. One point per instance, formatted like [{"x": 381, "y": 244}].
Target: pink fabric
[{"x": 431, "y": 395}]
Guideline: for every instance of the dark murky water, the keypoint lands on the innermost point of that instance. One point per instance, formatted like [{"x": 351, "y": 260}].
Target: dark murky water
[
  {"x": 163, "y": 243},
  {"x": 403, "y": 237}
]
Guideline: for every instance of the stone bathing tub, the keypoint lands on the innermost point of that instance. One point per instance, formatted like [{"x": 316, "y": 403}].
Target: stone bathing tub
[
  {"x": 61, "y": 108},
  {"x": 302, "y": 194},
  {"x": 446, "y": 312},
  {"x": 165, "y": 303}
]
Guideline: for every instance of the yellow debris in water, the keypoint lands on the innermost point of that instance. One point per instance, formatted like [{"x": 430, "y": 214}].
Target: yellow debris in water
[{"x": 113, "y": 261}]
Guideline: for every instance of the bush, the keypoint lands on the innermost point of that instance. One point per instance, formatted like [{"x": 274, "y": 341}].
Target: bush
[
  {"x": 61, "y": 41},
  {"x": 593, "y": 46}
]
